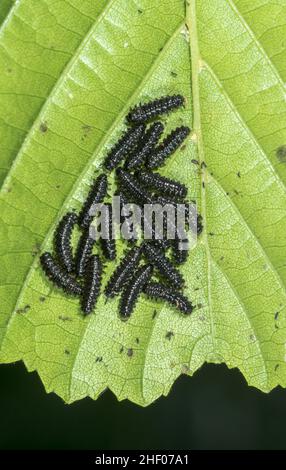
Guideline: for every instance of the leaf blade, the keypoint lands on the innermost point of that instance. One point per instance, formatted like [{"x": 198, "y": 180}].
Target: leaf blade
[
  {"x": 233, "y": 152},
  {"x": 235, "y": 274}
]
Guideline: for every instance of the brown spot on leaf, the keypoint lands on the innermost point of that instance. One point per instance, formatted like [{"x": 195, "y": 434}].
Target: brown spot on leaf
[
  {"x": 24, "y": 309},
  {"x": 154, "y": 314},
  {"x": 169, "y": 335},
  {"x": 281, "y": 153},
  {"x": 130, "y": 352},
  {"x": 87, "y": 128},
  {"x": 64, "y": 318},
  {"x": 185, "y": 369},
  {"x": 276, "y": 315},
  {"x": 43, "y": 127}
]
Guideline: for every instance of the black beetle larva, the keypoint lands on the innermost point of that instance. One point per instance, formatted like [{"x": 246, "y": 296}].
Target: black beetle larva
[
  {"x": 158, "y": 291},
  {"x": 152, "y": 109},
  {"x": 169, "y": 145},
  {"x": 132, "y": 290},
  {"x": 92, "y": 284},
  {"x": 124, "y": 145},
  {"x": 62, "y": 240},
  {"x": 95, "y": 196},
  {"x": 58, "y": 276}
]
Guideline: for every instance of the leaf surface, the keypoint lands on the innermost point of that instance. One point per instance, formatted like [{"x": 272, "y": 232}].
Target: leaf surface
[{"x": 63, "y": 105}]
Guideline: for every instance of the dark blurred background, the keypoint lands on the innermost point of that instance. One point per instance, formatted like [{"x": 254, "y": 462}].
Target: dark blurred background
[{"x": 212, "y": 410}]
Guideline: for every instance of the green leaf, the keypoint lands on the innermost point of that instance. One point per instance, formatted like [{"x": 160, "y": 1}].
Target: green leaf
[
  {"x": 5, "y": 6},
  {"x": 71, "y": 70}
]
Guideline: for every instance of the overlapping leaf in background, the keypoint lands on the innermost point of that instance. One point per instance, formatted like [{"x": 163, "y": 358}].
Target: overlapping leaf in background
[{"x": 69, "y": 72}]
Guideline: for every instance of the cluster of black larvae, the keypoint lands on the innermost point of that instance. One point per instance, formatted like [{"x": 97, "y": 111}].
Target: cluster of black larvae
[
  {"x": 79, "y": 274},
  {"x": 134, "y": 156}
]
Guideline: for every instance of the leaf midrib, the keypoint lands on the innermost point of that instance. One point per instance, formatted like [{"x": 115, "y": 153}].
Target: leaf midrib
[{"x": 191, "y": 20}]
